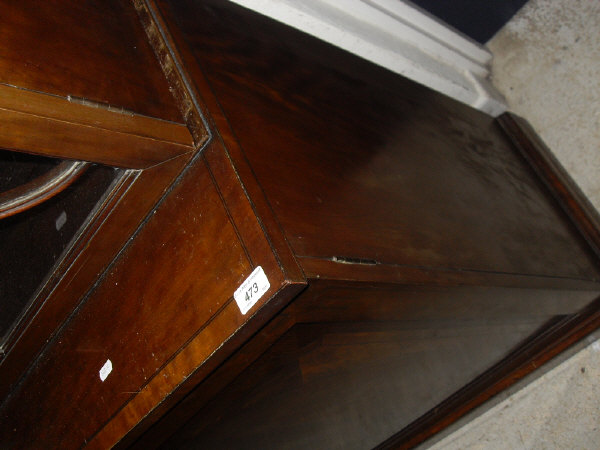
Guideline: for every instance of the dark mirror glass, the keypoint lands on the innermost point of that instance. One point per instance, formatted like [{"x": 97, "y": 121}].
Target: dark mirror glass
[{"x": 32, "y": 242}]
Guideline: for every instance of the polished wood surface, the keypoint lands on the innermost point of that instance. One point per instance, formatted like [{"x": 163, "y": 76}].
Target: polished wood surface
[
  {"x": 107, "y": 230},
  {"x": 70, "y": 122},
  {"x": 528, "y": 357},
  {"x": 44, "y": 124},
  {"x": 192, "y": 293},
  {"x": 225, "y": 329},
  {"x": 374, "y": 179},
  {"x": 412, "y": 331},
  {"x": 360, "y": 164},
  {"x": 403, "y": 235},
  {"x": 81, "y": 81},
  {"x": 345, "y": 385},
  {"x": 242, "y": 170},
  {"x": 90, "y": 50},
  {"x": 555, "y": 177},
  {"x": 140, "y": 339}
]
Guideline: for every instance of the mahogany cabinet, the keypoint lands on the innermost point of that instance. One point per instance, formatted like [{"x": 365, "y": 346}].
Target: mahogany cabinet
[{"x": 296, "y": 248}]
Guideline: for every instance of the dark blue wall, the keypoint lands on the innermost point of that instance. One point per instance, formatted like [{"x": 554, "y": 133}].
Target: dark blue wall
[{"x": 478, "y": 19}]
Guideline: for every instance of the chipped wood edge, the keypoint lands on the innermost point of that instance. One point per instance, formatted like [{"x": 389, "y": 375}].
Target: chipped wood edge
[{"x": 170, "y": 61}]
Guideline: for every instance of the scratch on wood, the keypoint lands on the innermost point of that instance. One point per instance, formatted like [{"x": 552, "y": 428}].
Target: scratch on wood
[
  {"x": 347, "y": 260},
  {"x": 97, "y": 105}
]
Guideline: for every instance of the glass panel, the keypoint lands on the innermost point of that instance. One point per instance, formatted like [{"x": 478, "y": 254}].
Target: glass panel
[{"x": 32, "y": 242}]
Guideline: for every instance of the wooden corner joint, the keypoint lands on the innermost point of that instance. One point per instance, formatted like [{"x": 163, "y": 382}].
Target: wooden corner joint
[{"x": 162, "y": 43}]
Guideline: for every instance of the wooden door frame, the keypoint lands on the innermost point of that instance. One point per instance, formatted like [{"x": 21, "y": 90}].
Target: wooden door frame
[{"x": 153, "y": 153}]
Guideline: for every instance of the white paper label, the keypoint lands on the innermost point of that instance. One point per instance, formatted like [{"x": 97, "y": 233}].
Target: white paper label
[
  {"x": 106, "y": 370},
  {"x": 61, "y": 220},
  {"x": 251, "y": 290}
]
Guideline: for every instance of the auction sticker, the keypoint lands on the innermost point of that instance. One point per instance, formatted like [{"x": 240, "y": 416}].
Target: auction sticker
[
  {"x": 106, "y": 370},
  {"x": 251, "y": 290}
]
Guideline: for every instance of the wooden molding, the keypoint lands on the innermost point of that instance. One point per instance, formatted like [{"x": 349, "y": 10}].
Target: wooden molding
[
  {"x": 556, "y": 338},
  {"x": 33, "y": 122},
  {"x": 161, "y": 41},
  {"x": 157, "y": 150},
  {"x": 549, "y": 170},
  {"x": 115, "y": 220}
]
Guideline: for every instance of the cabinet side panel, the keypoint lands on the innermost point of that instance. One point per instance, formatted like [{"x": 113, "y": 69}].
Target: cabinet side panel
[
  {"x": 361, "y": 165},
  {"x": 175, "y": 277},
  {"x": 363, "y": 362}
]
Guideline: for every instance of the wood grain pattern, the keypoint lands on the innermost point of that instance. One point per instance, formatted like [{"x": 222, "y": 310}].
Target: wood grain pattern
[
  {"x": 172, "y": 420},
  {"x": 192, "y": 363},
  {"x": 427, "y": 243},
  {"x": 358, "y": 163},
  {"x": 105, "y": 234},
  {"x": 90, "y": 50},
  {"x": 136, "y": 307},
  {"x": 53, "y": 126},
  {"x": 85, "y": 112},
  {"x": 202, "y": 355},
  {"x": 378, "y": 306},
  {"x": 139, "y": 305},
  {"x": 556, "y": 338},
  {"x": 557, "y": 180},
  {"x": 325, "y": 134},
  {"x": 89, "y": 127},
  {"x": 353, "y": 381},
  {"x": 234, "y": 152}
]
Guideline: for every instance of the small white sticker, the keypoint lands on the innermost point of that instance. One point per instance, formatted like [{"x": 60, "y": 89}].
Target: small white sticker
[
  {"x": 251, "y": 290},
  {"x": 61, "y": 220},
  {"x": 106, "y": 370}
]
